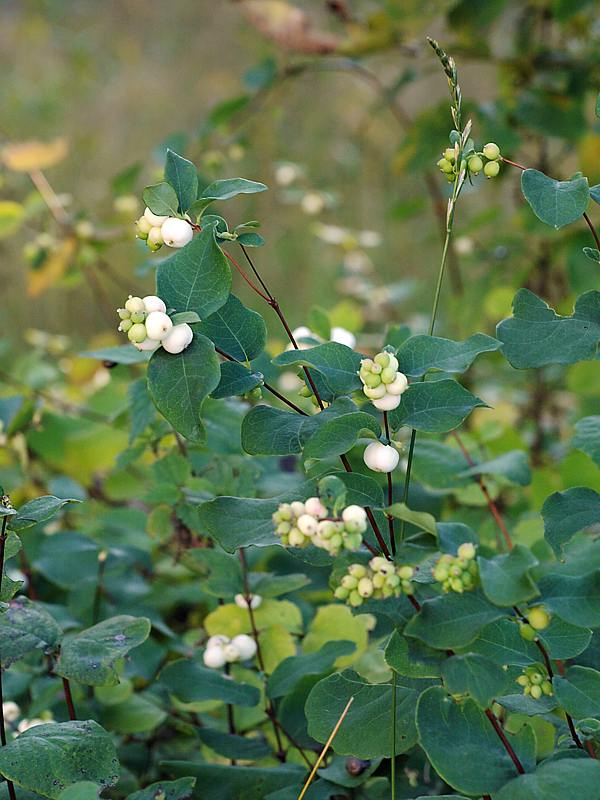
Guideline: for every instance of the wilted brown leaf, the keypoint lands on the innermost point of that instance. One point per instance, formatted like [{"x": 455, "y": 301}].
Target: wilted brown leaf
[{"x": 288, "y": 26}]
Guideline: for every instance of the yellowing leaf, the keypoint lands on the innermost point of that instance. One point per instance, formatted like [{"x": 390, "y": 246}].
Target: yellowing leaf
[
  {"x": 276, "y": 644},
  {"x": 288, "y": 26},
  {"x": 34, "y": 155},
  {"x": 11, "y": 214},
  {"x": 52, "y": 270},
  {"x": 229, "y": 619},
  {"x": 337, "y": 622}
]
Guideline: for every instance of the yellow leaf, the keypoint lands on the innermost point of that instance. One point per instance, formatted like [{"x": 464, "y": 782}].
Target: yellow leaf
[
  {"x": 52, "y": 270},
  {"x": 337, "y": 622},
  {"x": 229, "y": 619},
  {"x": 276, "y": 644},
  {"x": 11, "y": 214},
  {"x": 34, "y": 155}
]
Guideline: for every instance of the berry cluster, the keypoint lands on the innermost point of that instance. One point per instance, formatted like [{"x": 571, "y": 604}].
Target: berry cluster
[
  {"x": 300, "y": 524},
  {"x": 535, "y": 682},
  {"x": 221, "y": 650},
  {"x": 487, "y": 160},
  {"x": 379, "y": 579},
  {"x": 157, "y": 230},
  {"x": 148, "y": 326},
  {"x": 382, "y": 383},
  {"x": 537, "y": 620},
  {"x": 457, "y": 573}
]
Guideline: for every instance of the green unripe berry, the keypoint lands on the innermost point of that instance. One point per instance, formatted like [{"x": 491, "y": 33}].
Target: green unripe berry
[
  {"x": 341, "y": 593},
  {"x": 378, "y": 580},
  {"x": 123, "y": 313},
  {"x": 365, "y": 587},
  {"x": 451, "y": 178},
  {"x": 440, "y": 573},
  {"x": 536, "y": 692},
  {"x": 366, "y": 364},
  {"x": 450, "y": 154},
  {"x": 375, "y": 393},
  {"x": 466, "y": 551},
  {"x": 125, "y": 325},
  {"x": 491, "y": 151},
  {"x": 137, "y": 333},
  {"x": 138, "y": 316},
  {"x": 457, "y": 585},
  {"x": 355, "y": 599},
  {"x": 393, "y": 581},
  {"x": 357, "y": 571},
  {"x": 475, "y": 165},
  {"x": 523, "y": 680},
  {"x": 538, "y": 618},
  {"x": 134, "y": 304},
  {"x": 376, "y": 369},
  {"x": 305, "y": 391},
  {"x": 353, "y": 542},
  {"x": 383, "y": 359},
  {"x": 527, "y": 632},
  {"x": 536, "y": 678},
  {"x": 405, "y": 573},
  {"x": 547, "y": 688},
  {"x": 143, "y": 228},
  {"x": 388, "y": 375},
  {"x": 372, "y": 381},
  {"x": 349, "y": 582},
  {"x": 463, "y": 164},
  {"x": 335, "y": 542},
  {"x": 491, "y": 169},
  {"x": 445, "y": 165}
]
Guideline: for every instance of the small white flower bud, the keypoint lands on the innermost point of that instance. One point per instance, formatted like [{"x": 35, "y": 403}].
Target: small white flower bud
[
  {"x": 176, "y": 232},
  {"x": 178, "y": 338}
]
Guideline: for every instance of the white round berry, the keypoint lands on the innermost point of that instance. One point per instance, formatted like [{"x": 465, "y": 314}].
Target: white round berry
[
  {"x": 242, "y": 602},
  {"x": 147, "y": 344},
  {"x": 297, "y": 507},
  {"x": 11, "y": 711},
  {"x": 342, "y": 336},
  {"x": 381, "y": 457},
  {"x": 246, "y": 646},
  {"x": 176, "y": 232},
  {"x": 154, "y": 219},
  {"x": 178, "y": 338},
  {"x": 214, "y": 657},
  {"x": 216, "y": 641},
  {"x": 355, "y": 514},
  {"x": 387, "y": 403},
  {"x": 133, "y": 304},
  {"x": 307, "y": 524},
  {"x": 158, "y": 325},
  {"x": 315, "y": 507},
  {"x": 231, "y": 653},
  {"x": 398, "y": 385},
  {"x": 153, "y": 303}
]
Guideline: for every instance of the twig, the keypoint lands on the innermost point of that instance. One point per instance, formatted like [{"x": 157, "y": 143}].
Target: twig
[
  {"x": 69, "y": 699},
  {"x": 390, "y": 488},
  {"x": 325, "y": 748},
  {"x": 3, "y": 536},
  {"x": 507, "y": 745}
]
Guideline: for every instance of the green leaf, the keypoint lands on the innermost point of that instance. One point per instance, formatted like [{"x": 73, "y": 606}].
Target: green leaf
[
  {"x": 89, "y": 657},
  {"x": 575, "y": 598},
  {"x": 231, "y": 746},
  {"x": 179, "y": 384},
  {"x": 135, "y": 715},
  {"x": 236, "y": 379},
  {"x": 271, "y": 431},
  {"x": 189, "y": 317},
  {"x": 231, "y": 187},
  {"x": 291, "y": 670},
  {"x": 556, "y": 203},
  {"x": 513, "y": 466},
  {"x": 421, "y": 353},
  {"x": 190, "y": 682},
  {"x": 362, "y": 733},
  {"x": 434, "y": 406},
  {"x": 235, "y": 329},
  {"x": 413, "y": 659},
  {"x": 236, "y": 522},
  {"x": 141, "y": 408},
  {"x": 221, "y": 573},
  {"x": 166, "y": 790},
  {"x": 566, "y": 513},
  {"x": 361, "y": 490},
  {"x": 48, "y": 758},
  {"x": 271, "y": 585},
  {"x": 123, "y": 354},
  {"x": 578, "y": 692},
  {"x": 182, "y": 175},
  {"x": 339, "y": 435},
  {"x": 452, "y": 620},
  {"x": 587, "y": 437},
  {"x": 484, "y": 765},
  {"x": 25, "y": 627},
  {"x": 501, "y": 642},
  {"x": 563, "y": 640},
  {"x": 337, "y": 364},
  {"x": 36, "y": 511},
  {"x": 476, "y": 676},
  {"x": 555, "y": 780},
  {"x": 524, "y": 704},
  {"x": 506, "y": 579},
  {"x": 421, "y": 519},
  {"x": 82, "y": 790},
  {"x": 439, "y": 466},
  {"x": 536, "y": 335},
  {"x": 235, "y": 783},
  {"x": 161, "y": 199},
  {"x": 196, "y": 278}
]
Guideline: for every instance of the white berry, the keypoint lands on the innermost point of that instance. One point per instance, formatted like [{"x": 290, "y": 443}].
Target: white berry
[
  {"x": 147, "y": 344},
  {"x": 214, "y": 657},
  {"x": 11, "y": 711},
  {"x": 245, "y": 645},
  {"x": 176, "y": 232},
  {"x": 307, "y": 524},
  {"x": 242, "y": 602},
  {"x": 158, "y": 325},
  {"x": 381, "y": 457},
  {"x": 315, "y": 507},
  {"x": 355, "y": 514},
  {"x": 178, "y": 338},
  {"x": 387, "y": 403},
  {"x": 153, "y": 303},
  {"x": 230, "y": 652},
  {"x": 154, "y": 219},
  {"x": 216, "y": 641},
  {"x": 399, "y": 384}
]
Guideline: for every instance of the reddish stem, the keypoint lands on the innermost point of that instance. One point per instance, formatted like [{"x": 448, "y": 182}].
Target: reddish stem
[
  {"x": 507, "y": 745},
  {"x": 69, "y": 699}
]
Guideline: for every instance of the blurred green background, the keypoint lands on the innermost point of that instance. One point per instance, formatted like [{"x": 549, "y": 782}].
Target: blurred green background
[{"x": 349, "y": 93}]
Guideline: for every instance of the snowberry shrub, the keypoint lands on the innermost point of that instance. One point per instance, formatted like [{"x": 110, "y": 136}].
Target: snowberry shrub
[{"x": 441, "y": 660}]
